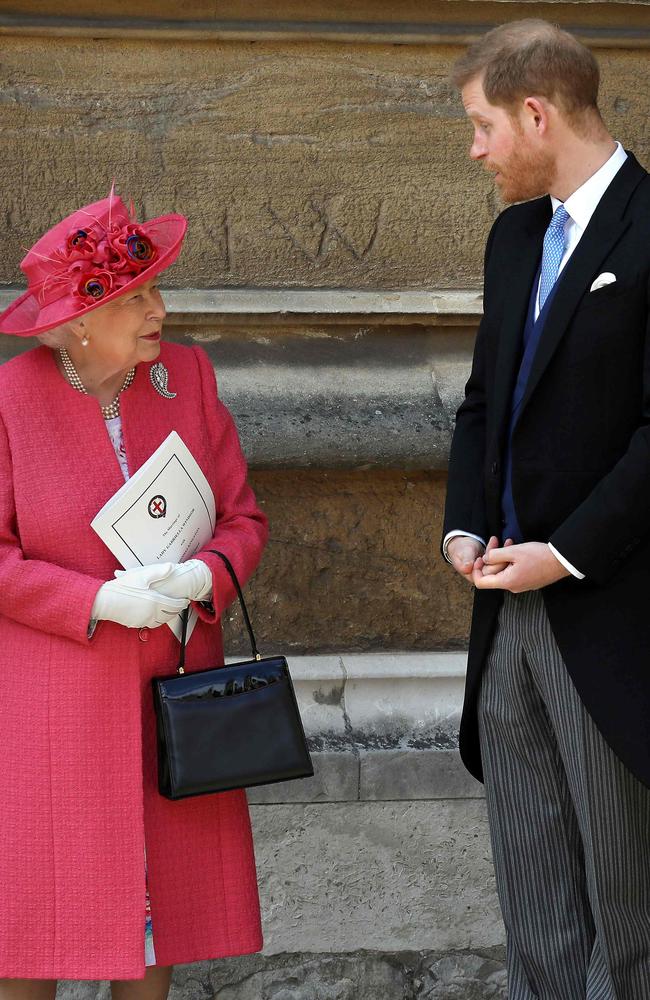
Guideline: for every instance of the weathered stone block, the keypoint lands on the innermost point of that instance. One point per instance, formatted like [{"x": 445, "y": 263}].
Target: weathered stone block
[
  {"x": 342, "y": 397},
  {"x": 316, "y": 164},
  {"x": 345, "y": 395},
  {"x": 214, "y": 131},
  {"x": 353, "y": 563}
]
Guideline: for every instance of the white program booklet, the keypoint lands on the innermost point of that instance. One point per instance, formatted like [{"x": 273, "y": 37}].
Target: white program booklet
[{"x": 164, "y": 513}]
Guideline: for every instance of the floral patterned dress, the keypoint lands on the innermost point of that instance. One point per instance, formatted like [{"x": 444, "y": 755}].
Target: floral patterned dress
[{"x": 114, "y": 428}]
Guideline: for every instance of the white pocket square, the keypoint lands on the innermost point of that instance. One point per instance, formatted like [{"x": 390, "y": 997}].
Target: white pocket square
[{"x": 606, "y": 278}]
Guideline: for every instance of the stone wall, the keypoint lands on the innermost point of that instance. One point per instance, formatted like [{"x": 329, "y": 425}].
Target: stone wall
[
  {"x": 306, "y": 163},
  {"x": 333, "y": 273}
]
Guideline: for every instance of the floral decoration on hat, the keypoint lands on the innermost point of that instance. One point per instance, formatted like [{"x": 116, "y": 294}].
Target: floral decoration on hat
[{"x": 98, "y": 261}]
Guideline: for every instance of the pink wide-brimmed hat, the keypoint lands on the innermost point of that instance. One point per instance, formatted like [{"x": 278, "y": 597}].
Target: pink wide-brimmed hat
[{"x": 90, "y": 258}]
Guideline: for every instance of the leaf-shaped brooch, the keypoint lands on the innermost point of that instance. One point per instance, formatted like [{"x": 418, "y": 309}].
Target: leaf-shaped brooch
[{"x": 159, "y": 378}]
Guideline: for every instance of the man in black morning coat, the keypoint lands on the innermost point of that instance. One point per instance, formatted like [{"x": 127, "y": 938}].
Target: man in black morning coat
[{"x": 548, "y": 515}]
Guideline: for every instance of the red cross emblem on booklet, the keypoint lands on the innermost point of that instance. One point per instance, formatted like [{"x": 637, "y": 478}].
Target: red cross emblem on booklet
[{"x": 157, "y": 506}]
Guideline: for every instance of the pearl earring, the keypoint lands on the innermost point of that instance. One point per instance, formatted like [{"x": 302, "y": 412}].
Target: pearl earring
[{"x": 85, "y": 341}]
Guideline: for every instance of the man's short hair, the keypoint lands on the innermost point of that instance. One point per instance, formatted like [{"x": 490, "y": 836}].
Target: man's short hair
[{"x": 532, "y": 58}]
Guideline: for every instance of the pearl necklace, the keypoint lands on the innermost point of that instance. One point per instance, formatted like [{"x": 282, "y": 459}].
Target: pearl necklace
[{"x": 72, "y": 375}]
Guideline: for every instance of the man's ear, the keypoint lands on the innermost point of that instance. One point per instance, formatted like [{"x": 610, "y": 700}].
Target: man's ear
[{"x": 536, "y": 114}]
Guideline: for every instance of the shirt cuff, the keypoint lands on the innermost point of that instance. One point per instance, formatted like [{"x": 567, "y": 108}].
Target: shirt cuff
[
  {"x": 565, "y": 562},
  {"x": 457, "y": 534}
]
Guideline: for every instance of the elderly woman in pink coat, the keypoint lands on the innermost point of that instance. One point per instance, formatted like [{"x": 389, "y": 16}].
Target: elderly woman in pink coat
[{"x": 80, "y": 811}]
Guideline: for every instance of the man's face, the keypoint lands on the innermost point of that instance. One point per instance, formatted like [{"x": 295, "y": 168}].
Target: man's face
[{"x": 508, "y": 147}]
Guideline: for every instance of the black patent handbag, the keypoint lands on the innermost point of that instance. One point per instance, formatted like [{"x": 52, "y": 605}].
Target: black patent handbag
[{"x": 228, "y": 727}]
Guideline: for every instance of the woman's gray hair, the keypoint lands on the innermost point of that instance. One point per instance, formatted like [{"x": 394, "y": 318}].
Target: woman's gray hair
[{"x": 58, "y": 336}]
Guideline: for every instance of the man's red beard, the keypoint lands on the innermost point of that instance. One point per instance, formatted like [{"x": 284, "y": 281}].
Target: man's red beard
[{"x": 524, "y": 175}]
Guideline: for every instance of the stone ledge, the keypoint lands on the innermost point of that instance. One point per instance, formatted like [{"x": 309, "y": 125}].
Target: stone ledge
[
  {"x": 324, "y": 305},
  {"x": 358, "y": 775},
  {"x": 380, "y": 701},
  {"x": 387, "y": 32},
  {"x": 385, "y": 696}
]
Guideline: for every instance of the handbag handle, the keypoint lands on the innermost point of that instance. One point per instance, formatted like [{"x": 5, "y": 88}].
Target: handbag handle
[{"x": 185, "y": 614}]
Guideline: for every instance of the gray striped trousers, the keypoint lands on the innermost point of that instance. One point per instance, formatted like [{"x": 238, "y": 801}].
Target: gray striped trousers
[{"x": 570, "y": 825}]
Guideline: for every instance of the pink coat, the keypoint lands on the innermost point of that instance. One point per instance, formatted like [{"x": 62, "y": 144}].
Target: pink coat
[{"x": 78, "y": 796}]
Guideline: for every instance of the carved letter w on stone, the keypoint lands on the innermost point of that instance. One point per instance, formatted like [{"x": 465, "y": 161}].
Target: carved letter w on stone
[{"x": 328, "y": 227}]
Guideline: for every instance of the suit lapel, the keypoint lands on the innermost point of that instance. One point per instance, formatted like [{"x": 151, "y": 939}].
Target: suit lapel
[
  {"x": 605, "y": 229},
  {"x": 526, "y": 252}
]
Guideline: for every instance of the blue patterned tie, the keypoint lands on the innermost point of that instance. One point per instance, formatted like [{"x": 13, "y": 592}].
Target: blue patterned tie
[{"x": 554, "y": 245}]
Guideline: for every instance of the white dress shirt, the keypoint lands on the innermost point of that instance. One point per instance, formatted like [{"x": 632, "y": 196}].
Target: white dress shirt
[{"x": 580, "y": 206}]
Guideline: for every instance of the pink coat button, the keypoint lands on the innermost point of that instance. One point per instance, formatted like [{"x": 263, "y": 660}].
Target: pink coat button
[{"x": 143, "y": 634}]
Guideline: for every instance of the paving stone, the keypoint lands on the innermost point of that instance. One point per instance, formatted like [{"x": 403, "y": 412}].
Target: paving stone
[{"x": 380, "y": 876}]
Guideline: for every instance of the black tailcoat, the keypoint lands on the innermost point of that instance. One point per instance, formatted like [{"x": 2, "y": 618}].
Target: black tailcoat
[{"x": 580, "y": 453}]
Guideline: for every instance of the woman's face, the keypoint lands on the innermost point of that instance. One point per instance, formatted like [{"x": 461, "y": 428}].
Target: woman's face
[{"x": 124, "y": 332}]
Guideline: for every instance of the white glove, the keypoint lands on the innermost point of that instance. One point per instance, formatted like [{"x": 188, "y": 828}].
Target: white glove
[
  {"x": 135, "y": 602},
  {"x": 190, "y": 581}
]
